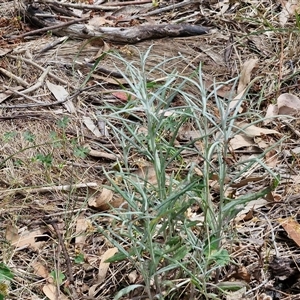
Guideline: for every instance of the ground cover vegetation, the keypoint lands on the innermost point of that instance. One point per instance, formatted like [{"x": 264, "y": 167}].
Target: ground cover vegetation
[{"x": 157, "y": 166}]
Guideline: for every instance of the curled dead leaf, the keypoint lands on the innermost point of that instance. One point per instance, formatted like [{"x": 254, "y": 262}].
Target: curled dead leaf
[
  {"x": 272, "y": 111},
  {"x": 288, "y": 104},
  {"x": 105, "y": 200},
  {"x": 101, "y": 198}
]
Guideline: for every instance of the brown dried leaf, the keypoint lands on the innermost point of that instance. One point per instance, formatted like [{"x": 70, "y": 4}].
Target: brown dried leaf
[
  {"x": 253, "y": 131},
  {"x": 254, "y": 204},
  {"x": 60, "y": 94},
  {"x": 105, "y": 48},
  {"x": 103, "y": 267},
  {"x": 88, "y": 122},
  {"x": 98, "y": 21},
  {"x": 288, "y": 9},
  {"x": 40, "y": 270},
  {"x": 272, "y": 111},
  {"x": 245, "y": 79},
  {"x": 271, "y": 158},
  {"x": 24, "y": 239},
  {"x": 148, "y": 174},
  {"x": 101, "y": 198},
  {"x": 120, "y": 95},
  {"x": 50, "y": 291},
  {"x": 240, "y": 141},
  {"x": 242, "y": 273},
  {"x": 4, "y": 51},
  {"x": 81, "y": 226},
  {"x": 237, "y": 295},
  {"x": 132, "y": 276},
  {"x": 292, "y": 228}
]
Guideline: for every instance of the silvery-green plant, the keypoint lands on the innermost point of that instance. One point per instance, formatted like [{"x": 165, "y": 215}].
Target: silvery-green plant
[{"x": 172, "y": 251}]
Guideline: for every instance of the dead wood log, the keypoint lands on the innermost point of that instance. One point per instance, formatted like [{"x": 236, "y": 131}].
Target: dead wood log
[{"x": 129, "y": 35}]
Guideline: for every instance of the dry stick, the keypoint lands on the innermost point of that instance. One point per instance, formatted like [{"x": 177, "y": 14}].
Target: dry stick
[
  {"x": 39, "y": 82},
  {"x": 187, "y": 18},
  {"x": 130, "y": 3},
  {"x": 61, "y": 25},
  {"x": 14, "y": 77},
  {"x": 39, "y": 67},
  {"x": 20, "y": 116},
  {"x": 67, "y": 259},
  {"x": 57, "y": 188},
  {"x": 57, "y": 266},
  {"x": 39, "y": 104},
  {"x": 22, "y": 95},
  {"x": 170, "y": 7},
  {"x": 46, "y": 189},
  {"x": 66, "y": 254},
  {"x": 48, "y": 104},
  {"x": 85, "y": 6},
  {"x": 52, "y": 45},
  {"x": 65, "y": 212}
]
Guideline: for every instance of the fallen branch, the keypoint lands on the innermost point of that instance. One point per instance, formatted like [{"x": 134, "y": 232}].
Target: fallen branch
[
  {"x": 39, "y": 82},
  {"x": 39, "y": 67},
  {"x": 129, "y": 35},
  {"x": 14, "y": 77},
  {"x": 170, "y": 7},
  {"x": 81, "y": 6},
  {"x": 45, "y": 29}
]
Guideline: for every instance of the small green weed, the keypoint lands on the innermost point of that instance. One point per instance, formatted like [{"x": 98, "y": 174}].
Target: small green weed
[
  {"x": 29, "y": 137},
  {"x": 6, "y": 277},
  {"x": 8, "y": 136},
  {"x": 45, "y": 159},
  {"x": 58, "y": 277}
]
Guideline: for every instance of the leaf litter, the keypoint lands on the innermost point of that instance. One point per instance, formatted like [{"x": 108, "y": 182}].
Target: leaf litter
[{"x": 45, "y": 148}]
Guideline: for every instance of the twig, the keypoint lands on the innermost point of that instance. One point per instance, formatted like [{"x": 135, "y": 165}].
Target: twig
[
  {"x": 14, "y": 77},
  {"x": 39, "y": 82},
  {"x": 57, "y": 188},
  {"x": 39, "y": 67},
  {"x": 188, "y": 18},
  {"x": 60, "y": 25},
  {"x": 23, "y": 95},
  {"x": 85, "y": 6},
  {"x": 57, "y": 265},
  {"x": 20, "y": 116},
  {"x": 66, "y": 254},
  {"x": 257, "y": 287},
  {"x": 170, "y": 7},
  {"x": 45, "y": 189},
  {"x": 65, "y": 212},
  {"x": 53, "y": 44},
  {"x": 40, "y": 104},
  {"x": 130, "y": 3}
]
